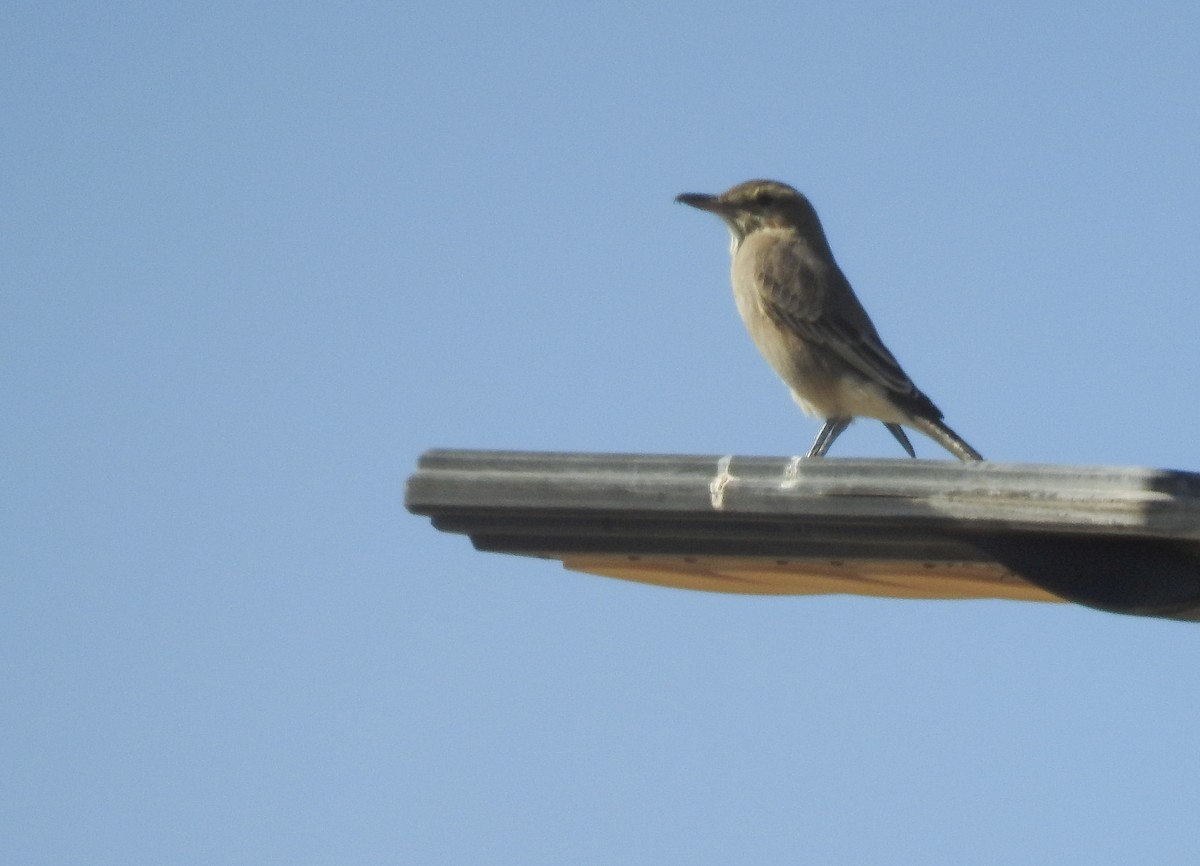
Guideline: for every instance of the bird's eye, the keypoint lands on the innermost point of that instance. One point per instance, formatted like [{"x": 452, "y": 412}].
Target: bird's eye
[{"x": 762, "y": 197}]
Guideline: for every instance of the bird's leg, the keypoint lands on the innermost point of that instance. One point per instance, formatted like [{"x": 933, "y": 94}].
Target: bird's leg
[
  {"x": 833, "y": 429},
  {"x": 901, "y": 437}
]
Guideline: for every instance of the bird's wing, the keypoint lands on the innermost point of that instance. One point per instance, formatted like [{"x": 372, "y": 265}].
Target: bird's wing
[{"x": 814, "y": 300}]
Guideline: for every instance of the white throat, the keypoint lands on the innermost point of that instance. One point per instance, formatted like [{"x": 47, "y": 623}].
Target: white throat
[{"x": 734, "y": 241}]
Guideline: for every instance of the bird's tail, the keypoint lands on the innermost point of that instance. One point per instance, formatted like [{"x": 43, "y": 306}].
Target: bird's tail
[{"x": 947, "y": 438}]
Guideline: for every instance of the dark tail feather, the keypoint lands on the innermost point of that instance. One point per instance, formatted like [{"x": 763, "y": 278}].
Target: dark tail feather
[{"x": 947, "y": 438}]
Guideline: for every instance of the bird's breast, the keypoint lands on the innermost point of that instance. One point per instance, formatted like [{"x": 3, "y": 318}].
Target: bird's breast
[
  {"x": 787, "y": 354},
  {"x": 821, "y": 382}
]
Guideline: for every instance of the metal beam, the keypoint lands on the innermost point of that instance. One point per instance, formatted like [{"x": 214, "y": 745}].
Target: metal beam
[{"x": 1120, "y": 539}]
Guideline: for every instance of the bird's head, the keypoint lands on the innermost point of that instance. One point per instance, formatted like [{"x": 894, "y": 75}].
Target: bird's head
[{"x": 760, "y": 204}]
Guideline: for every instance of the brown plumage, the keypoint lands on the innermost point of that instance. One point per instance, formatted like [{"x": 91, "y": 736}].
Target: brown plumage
[{"x": 807, "y": 322}]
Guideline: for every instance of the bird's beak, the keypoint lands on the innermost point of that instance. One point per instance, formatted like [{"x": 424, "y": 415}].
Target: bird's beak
[{"x": 703, "y": 201}]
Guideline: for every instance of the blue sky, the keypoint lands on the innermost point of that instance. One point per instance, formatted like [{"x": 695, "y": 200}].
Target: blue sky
[{"x": 257, "y": 258}]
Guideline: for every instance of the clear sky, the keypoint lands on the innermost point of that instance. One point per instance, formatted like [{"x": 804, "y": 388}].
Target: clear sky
[{"x": 256, "y": 258}]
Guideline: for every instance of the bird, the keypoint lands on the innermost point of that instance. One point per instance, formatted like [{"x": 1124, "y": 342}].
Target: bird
[{"x": 807, "y": 322}]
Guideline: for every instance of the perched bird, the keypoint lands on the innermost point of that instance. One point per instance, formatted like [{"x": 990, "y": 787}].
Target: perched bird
[{"x": 807, "y": 322}]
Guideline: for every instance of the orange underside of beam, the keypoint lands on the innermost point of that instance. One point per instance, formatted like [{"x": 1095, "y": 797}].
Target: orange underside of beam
[{"x": 797, "y": 576}]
